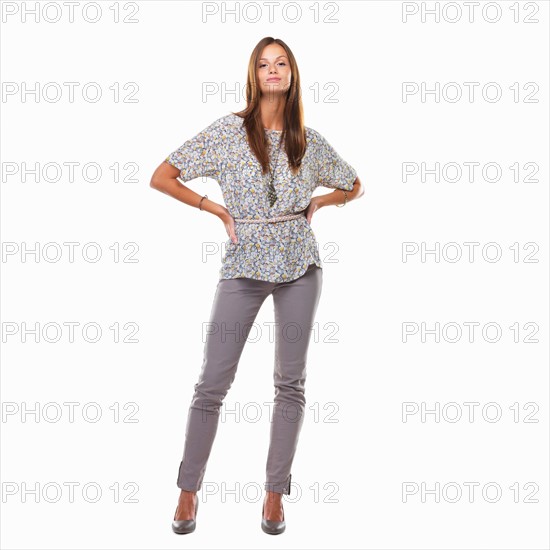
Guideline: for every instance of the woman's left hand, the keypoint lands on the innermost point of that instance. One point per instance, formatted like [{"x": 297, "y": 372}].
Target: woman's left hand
[{"x": 313, "y": 206}]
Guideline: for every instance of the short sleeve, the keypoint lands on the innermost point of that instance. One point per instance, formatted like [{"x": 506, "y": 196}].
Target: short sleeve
[
  {"x": 334, "y": 171},
  {"x": 200, "y": 155}
]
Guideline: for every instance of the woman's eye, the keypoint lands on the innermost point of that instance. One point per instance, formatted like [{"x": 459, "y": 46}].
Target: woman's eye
[{"x": 265, "y": 64}]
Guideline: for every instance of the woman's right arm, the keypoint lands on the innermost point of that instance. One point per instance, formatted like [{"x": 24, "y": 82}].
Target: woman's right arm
[{"x": 164, "y": 179}]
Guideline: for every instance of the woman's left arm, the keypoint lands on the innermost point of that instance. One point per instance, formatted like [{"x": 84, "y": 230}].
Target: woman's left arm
[{"x": 337, "y": 196}]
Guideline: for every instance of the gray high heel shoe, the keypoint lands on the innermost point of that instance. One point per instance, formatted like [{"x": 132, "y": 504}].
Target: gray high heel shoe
[
  {"x": 184, "y": 526},
  {"x": 272, "y": 527}
]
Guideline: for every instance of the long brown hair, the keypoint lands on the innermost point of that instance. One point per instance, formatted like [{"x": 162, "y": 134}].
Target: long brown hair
[{"x": 293, "y": 134}]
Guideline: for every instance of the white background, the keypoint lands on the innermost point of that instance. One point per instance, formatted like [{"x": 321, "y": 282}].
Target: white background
[{"x": 360, "y": 462}]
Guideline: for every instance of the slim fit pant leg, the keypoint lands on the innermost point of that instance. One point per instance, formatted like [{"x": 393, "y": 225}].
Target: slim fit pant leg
[
  {"x": 295, "y": 306},
  {"x": 236, "y": 304}
]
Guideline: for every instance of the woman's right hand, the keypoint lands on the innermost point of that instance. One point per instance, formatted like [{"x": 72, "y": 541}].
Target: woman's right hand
[{"x": 229, "y": 223}]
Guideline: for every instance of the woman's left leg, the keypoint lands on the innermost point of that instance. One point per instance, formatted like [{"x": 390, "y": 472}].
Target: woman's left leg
[{"x": 295, "y": 305}]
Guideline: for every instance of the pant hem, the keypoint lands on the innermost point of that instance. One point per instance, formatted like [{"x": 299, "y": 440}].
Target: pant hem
[
  {"x": 282, "y": 487},
  {"x": 186, "y": 486}
]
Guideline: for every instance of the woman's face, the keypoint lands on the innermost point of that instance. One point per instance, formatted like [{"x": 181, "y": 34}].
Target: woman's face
[{"x": 273, "y": 70}]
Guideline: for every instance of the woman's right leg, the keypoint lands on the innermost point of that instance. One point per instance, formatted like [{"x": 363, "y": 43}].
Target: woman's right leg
[{"x": 236, "y": 304}]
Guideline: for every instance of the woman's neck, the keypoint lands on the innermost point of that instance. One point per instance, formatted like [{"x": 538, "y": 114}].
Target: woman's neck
[{"x": 272, "y": 113}]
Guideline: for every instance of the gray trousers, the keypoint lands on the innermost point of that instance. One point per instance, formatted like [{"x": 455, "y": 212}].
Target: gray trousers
[{"x": 236, "y": 304}]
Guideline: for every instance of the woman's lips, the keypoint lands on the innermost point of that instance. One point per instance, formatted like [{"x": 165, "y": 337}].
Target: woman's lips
[{"x": 273, "y": 80}]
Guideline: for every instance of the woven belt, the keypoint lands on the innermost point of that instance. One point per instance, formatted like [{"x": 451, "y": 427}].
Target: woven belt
[{"x": 271, "y": 220}]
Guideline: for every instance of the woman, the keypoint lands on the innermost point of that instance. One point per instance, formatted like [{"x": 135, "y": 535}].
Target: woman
[{"x": 267, "y": 164}]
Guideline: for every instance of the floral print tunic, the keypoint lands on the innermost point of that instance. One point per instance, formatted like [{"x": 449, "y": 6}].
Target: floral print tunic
[{"x": 275, "y": 252}]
